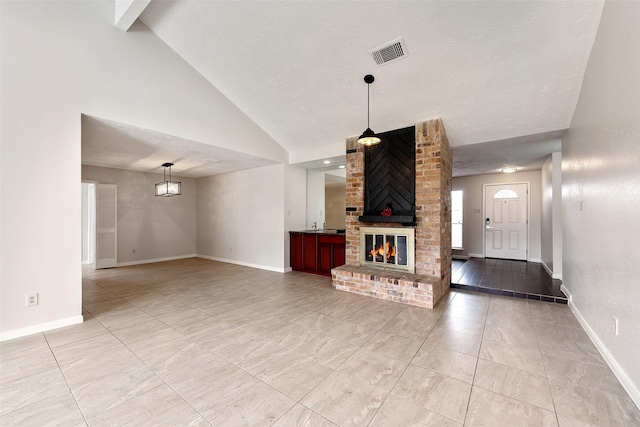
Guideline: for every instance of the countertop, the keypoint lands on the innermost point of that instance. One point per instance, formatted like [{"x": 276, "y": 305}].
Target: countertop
[{"x": 327, "y": 231}]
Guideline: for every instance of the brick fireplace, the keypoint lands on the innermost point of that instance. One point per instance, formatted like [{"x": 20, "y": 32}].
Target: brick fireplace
[{"x": 432, "y": 276}]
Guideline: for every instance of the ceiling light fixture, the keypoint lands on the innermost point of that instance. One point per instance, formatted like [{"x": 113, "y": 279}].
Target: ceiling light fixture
[
  {"x": 341, "y": 167},
  {"x": 327, "y": 162},
  {"x": 509, "y": 169},
  {"x": 168, "y": 188},
  {"x": 368, "y": 137}
]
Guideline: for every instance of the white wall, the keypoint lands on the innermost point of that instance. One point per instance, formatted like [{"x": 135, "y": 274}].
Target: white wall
[
  {"x": 315, "y": 198},
  {"x": 240, "y": 217},
  {"x": 601, "y": 201},
  {"x": 155, "y": 227},
  {"x": 59, "y": 60},
  {"x": 556, "y": 160},
  {"x": 473, "y": 219},
  {"x": 546, "y": 214},
  {"x": 295, "y": 200}
]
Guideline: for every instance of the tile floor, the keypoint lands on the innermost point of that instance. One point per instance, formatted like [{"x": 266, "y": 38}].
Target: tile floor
[
  {"x": 196, "y": 342},
  {"x": 520, "y": 279}
]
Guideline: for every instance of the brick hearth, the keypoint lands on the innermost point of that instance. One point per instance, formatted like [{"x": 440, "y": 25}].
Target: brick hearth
[{"x": 433, "y": 226}]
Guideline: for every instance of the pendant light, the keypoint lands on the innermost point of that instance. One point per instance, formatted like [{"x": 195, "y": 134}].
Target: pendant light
[
  {"x": 368, "y": 137},
  {"x": 168, "y": 188}
]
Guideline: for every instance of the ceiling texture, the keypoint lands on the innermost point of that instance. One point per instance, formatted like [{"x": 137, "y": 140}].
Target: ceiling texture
[{"x": 504, "y": 76}]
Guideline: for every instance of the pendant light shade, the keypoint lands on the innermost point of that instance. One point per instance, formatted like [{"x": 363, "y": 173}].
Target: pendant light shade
[
  {"x": 168, "y": 188},
  {"x": 368, "y": 137}
]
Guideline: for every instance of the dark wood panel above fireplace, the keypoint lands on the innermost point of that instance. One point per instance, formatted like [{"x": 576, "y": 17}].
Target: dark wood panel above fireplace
[{"x": 390, "y": 178}]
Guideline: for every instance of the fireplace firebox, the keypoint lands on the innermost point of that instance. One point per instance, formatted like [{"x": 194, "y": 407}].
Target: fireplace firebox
[{"x": 388, "y": 248}]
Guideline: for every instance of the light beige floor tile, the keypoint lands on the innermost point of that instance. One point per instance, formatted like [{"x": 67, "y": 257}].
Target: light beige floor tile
[
  {"x": 569, "y": 343},
  {"x": 20, "y": 347},
  {"x": 458, "y": 324},
  {"x": 571, "y": 422},
  {"x": 255, "y": 405},
  {"x": 344, "y": 400},
  {"x": 343, "y": 310},
  {"x": 87, "y": 329},
  {"x": 520, "y": 385},
  {"x": 374, "y": 368},
  {"x": 88, "y": 347},
  {"x": 60, "y": 410},
  {"x": 414, "y": 330},
  {"x": 396, "y": 412},
  {"x": 354, "y": 333},
  {"x": 290, "y": 313},
  {"x": 190, "y": 361},
  {"x": 466, "y": 312},
  {"x": 511, "y": 337},
  {"x": 156, "y": 349},
  {"x": 139, "y": 330},
  {"x": 437, "y": 393},
  {"x": 159, "y": 406},
  {"x": 454, "y": 341},
  {"x": 491, "y": 409},
  {"x": 293, "y": 375},
  {"x": 318, "y": 321},
  {"x": 262, "y": 354},
  {"x": 593, "y": 407},
  {"x": 525, "y": 359},
  {"x": 181, "y": 316},
  {"x": 299, "y": 416},
  {"x": 596, "y": 377},
  {"x": 292, "y": 336},
  {"x": 108, "y": 379},
  {"x": 32, "y": 389},
  {"x": 264, "y": 326},
  {"x": 371, "y": 319},
  {"x": 522, "y": 323},
  {"x": 393, "y": 346},
  {"x": 232, "y": 343},
  {"x": 204, "y": 331},
  {"x": 328, "y": 351},
  {"x": 29, "y": 364},
  {"x": 446, "y": 362},
  {"x": 481, "y": 302}
]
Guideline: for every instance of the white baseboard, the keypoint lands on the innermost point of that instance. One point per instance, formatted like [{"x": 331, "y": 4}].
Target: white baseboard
[
  {"x": 40, "y": 327},
  {"x": 475, "y": 255},
  {"x": 149, "y": 261},
  {"x": 536, "y": 260},
  {"x": 245, "y": 264},
  {"x": 627, "y": 384}
]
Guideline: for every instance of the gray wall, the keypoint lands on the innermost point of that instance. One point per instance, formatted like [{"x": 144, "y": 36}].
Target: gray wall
[
  {"x": 155, "y": 227},
  {"x": 335, "y": 202},
  {"x": 601, "y": 199},
  {"x": 473, "y": 224},
  {"x": 240, "y": 217}
]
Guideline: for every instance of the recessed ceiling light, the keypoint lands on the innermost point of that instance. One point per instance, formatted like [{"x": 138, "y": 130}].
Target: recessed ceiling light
[
  {"x": 509, "y": 169},
  {"x": 327, "y": 162},
  {"x": 341, "y": 167}
]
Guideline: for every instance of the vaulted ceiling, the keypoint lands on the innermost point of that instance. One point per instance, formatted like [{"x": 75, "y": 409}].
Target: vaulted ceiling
[{"x": 503, "y": 73}]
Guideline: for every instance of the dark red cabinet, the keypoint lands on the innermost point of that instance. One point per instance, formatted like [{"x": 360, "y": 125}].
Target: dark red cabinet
[{"x": 317, "y": 252}]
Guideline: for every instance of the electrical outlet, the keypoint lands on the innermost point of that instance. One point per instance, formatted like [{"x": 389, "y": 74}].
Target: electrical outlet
[
  {"x": 614, "y": 326},
  {"x": 32, "y": 299}
]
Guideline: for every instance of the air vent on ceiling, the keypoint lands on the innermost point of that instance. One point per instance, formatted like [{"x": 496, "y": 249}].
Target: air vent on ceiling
[{"x": 389, "y": 52}]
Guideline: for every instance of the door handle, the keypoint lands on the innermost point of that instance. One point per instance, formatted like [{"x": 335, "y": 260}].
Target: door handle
[{"x": 488, "y": 222}]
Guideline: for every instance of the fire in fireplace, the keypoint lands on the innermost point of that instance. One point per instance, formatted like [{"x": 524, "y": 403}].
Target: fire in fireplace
[{"x": 387, "y": 247}]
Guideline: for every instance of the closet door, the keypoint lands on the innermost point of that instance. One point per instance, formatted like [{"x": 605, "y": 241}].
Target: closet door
[{"x": 106, "y": 225}]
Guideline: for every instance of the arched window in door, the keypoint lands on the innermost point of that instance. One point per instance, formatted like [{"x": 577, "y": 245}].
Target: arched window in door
[{"x": 505, "y": 193}]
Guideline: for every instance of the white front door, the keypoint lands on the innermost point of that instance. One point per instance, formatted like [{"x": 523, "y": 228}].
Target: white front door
[
  {"x": 506, "y": 221},
  {"x": 106, "y": 225}
]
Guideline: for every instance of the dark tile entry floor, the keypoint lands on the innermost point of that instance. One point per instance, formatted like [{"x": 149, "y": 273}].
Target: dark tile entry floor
[{"x": 519, "y": 279}]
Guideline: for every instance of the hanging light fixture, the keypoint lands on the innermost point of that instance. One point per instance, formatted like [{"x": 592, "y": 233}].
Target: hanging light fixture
[
  {"x": 368, "y": 137},
  {"x": 168, "y": 188}
]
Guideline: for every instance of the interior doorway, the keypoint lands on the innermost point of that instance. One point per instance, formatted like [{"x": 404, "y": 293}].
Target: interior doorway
[
  {"x": 99, "y": 225},
  {"x": 88, "y": 223},
  {"x": 506, "y": 217}
]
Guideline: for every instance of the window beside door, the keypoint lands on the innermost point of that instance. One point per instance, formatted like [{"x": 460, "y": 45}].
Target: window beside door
[{"x": 456, "y": 219}]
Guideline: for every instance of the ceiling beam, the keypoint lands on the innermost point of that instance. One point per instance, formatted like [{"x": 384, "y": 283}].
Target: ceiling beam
[{"x": 127, "y": 11}]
